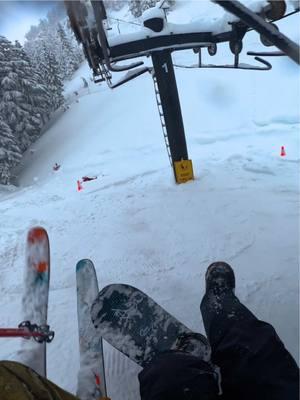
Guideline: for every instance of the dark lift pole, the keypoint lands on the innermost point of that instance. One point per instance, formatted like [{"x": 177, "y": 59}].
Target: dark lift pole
[{"x": 166, "y": 82}]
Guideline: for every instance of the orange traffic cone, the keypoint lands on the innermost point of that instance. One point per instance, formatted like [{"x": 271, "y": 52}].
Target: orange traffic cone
[
  {"x": 79, "y": 186},
  {"x": 282, "y": 152}
]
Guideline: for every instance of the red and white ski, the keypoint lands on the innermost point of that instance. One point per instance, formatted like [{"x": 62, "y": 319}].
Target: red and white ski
[
  {"x": 91, "y": 376},
  {"x": 35, "y": 296}
]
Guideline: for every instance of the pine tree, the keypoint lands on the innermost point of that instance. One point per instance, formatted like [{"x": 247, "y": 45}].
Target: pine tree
[
  {"x": 46, "y": 62},
  {"x": 11, "y": 99},
  {"x": 59, "y": 39},
  {"x": 33, "y": 89},
  {"x": 52, "y": 79},
  {"x": 171, "y": 3},
  {"x": 66, "y": 56},
  {"x": 56, "y": 13},
  {"x": 10, "y": 153},
  {"x": 145, "y": 4},
  {"x": 114, "y": 5},
  {"x": 135, "y": 7},
  {"x": 77, "y": 49},
  {"x": 24, "y": 100}
]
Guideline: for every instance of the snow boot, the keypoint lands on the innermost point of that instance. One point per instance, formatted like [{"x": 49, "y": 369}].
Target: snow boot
[
  {"x": 220, "y": 308},
  {"x": 195, "y": 344},
  {"x": 219, "y": 279}
]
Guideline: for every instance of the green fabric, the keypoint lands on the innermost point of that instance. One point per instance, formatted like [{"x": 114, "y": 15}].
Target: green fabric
[{"x": 18, "y": 382}]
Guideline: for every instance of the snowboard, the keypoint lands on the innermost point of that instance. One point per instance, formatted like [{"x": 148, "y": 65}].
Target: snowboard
[
  {"x": 35, "y": 296},
  {"x": 91, "y": 376},
  {"x": 136, "y": 325}
]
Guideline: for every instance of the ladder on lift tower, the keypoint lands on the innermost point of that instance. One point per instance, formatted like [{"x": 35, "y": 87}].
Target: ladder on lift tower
[{"x": 161, "y": 116}]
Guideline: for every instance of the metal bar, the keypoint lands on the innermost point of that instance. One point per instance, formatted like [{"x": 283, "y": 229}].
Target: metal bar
[
  {"x": 256, "y": 22},
  {"x": 100, "y": 15},
  {"x": 266, "y": 53},
  {"x": 129, "y": 76},
  {"x": 18, "y": 332},
  {"x": 176, "y": 41}
]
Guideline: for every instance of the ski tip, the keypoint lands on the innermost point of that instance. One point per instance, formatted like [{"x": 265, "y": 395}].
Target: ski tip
[
  {"x": 83, "y": 264},
  {"x": 36, "y": 234}
]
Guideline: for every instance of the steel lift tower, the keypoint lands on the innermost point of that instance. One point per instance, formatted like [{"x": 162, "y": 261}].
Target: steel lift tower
[{"x": 88, "y": 21}]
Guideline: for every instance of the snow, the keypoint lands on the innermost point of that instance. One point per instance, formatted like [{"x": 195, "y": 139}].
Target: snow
[
  {"x": 206, "y": 17},
  {"x": 153, "y": 12},
  {"x": 142, "y": 229}
]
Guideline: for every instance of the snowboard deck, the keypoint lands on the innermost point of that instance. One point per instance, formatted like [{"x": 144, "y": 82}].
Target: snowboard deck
[
  {"x": 35, "y": 296},
  {"x": 136, "y": 325},
  {"x": 91, "y": 376}
]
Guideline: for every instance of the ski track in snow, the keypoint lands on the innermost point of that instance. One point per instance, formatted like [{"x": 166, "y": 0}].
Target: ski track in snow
[{"x": 139, "y": 227}]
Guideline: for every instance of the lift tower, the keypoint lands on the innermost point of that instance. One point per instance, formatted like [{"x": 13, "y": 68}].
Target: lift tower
[{"x": 156, "y": 39}]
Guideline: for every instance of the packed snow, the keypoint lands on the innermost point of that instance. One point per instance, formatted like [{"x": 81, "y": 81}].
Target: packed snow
[
  {"x": 212, "y": 19},
  {"x": 141, "y": 228}
]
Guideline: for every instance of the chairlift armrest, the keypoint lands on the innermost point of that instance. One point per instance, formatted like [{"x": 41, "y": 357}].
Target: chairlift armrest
[
  {"x": 266, "y": 53},
  {"x": 129, "y": 76},
  {"x": 118, "y": 68}
]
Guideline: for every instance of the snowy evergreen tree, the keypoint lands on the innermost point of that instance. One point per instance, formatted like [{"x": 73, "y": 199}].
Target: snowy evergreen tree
[
  {"x": 77, "y": 49},
  {"x": 67, "y": 58},
  {"x": 50, "y": 70},
  {"x": 33, "y": 88},
  {"x": 114, "y": 5},
  {"x": 135, "y": 7},
  {"x": 10, "y": 153},
  {"x": 24, "y": 101},
  {"x": 56, "y": 13},
  {"x": 145, "y": 4},
  {"x": 48, "y": 66},
  {"x": 171, "y": 3},
  {"x": 12, "y": 100},
  {"x": 59, "y": 40}
]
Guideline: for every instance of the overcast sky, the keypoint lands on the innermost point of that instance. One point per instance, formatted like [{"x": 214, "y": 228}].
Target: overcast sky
[{"x": 16, "y": 17}]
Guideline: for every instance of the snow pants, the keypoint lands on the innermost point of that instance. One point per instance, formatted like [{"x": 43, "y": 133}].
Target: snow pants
[
  {"x": 253, "y": 360},
  {"x": 18, "y": 382}
]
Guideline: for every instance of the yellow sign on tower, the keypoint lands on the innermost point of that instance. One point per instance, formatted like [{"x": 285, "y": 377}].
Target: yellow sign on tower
[{"x": 183, "y": 171}]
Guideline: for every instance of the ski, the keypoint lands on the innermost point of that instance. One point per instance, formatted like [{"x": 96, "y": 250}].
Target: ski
[
  {"x": 35, "y": 297},
  {"x": 136, "y": 325},
  {"x": 91, "y": 376}
]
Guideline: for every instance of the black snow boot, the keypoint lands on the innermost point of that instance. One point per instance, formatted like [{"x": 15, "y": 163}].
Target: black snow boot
[
  {"x": 195, "y": 344},
  {"x": 253, "y": 361},
  {"x": 220, "y": 307},
  {"x": 219, "y": 278}
]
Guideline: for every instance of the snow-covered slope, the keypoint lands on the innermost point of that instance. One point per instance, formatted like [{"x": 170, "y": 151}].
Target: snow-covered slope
[{"x": 139, "y": 227}]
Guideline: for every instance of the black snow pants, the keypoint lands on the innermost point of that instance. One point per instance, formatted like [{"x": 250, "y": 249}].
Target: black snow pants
[{"x": 253, "y": 361}]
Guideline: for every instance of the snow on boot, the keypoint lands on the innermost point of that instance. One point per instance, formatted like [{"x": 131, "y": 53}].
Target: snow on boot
[
  {"x": 193, "y": 343},
  {"x": 219, "y": 279}
]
